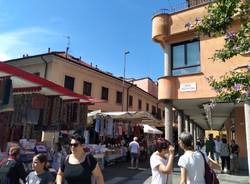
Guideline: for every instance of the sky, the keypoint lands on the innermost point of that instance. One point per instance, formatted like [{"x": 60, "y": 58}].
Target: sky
[{"x": 100, "y": 32}]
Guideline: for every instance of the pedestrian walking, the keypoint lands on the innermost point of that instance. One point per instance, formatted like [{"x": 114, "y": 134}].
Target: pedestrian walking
[
  {"x": 40, "y": 175},
  {"x": 210, "y": 146},
  {"x": 192, "y": 162},
  {"x": 161, "y": 162},
  {"x": 217, "y": 142},
  {"x": 134, "y": 149},
  {"x": 79, "y": 166},
  {"x": 12, "y": 171},
  {"x": 225, "y": 155},
  {"x": 235, "y": 155}
]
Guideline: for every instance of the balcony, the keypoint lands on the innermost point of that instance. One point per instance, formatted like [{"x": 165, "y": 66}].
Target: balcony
[
  {"x": 168, "y": 25},
  {"x": 181, "y": 6}
]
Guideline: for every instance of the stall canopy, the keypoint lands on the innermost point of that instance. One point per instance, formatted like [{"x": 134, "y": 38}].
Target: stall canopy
[
  {"x": 126, "y": 115},
  {"x": 24, "y": 82},
  {"x": 151, "y": 130}
]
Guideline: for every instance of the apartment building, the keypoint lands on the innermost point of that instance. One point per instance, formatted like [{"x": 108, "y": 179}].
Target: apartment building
[
  {"x": 186, "y": 68},
  {"x": 83, "y": 78}
]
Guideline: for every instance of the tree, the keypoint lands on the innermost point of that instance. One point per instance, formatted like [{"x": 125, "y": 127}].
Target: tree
[
  {"x": 221, "y": 15},
  {"x": 234, "y": 86}
]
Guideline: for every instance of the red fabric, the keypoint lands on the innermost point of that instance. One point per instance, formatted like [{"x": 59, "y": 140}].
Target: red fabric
[{"x": 42, "y": 82}]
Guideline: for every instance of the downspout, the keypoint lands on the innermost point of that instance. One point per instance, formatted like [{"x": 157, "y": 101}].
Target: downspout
[
  {"x": 128, "y": 94},
  {"x": 46, "y": 67}
]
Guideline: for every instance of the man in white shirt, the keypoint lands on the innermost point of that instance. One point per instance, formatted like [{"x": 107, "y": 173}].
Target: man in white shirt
[
  {"x": 134, "y": 152},
  {"x": 217, "y": 142}
]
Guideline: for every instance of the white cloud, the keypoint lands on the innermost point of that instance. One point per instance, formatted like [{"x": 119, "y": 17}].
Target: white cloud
[{"x": 29, "y": 40}]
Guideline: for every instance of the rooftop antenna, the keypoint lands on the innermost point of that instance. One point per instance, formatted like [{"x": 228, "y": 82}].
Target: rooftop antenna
[{"x": 68, "y": 45}]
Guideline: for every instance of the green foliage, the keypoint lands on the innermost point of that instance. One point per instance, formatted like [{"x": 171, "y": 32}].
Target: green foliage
[
  {"x": 221, "y": 15},
  {"x": 232, "y": 87}
]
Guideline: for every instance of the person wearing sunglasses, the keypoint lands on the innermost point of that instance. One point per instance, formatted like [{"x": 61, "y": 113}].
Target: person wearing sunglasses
[{"x": 79, "y": 167}]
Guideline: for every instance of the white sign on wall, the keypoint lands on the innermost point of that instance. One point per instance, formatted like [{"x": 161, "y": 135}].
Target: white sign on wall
[{"x": 188, "y": 87}]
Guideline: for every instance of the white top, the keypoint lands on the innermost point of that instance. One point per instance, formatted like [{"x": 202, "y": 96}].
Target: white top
[
  {"x": 134, "y": 147},
  {"x": 157, "y": 176},
  {"x": 217, "y": 145},
  {"x": 193, "y": 162}
]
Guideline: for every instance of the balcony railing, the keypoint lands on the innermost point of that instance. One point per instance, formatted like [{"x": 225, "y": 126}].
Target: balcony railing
[{"x": 181, "y": 6}]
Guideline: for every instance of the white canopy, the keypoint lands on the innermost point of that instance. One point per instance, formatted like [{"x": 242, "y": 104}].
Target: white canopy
[
  {"x": 151, "y": 130},
  {"x": 129, "y": 115}
]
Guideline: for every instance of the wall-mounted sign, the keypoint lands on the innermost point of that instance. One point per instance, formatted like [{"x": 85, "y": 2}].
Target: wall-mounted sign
[{"x": 188, "y": 87}]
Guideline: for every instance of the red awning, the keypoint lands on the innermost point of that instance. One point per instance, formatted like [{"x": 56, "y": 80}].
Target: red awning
[{"x": 26, "y": 82}]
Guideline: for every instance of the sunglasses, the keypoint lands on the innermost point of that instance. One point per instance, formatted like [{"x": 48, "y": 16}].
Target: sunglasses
[{"x": 74, "y": 145}]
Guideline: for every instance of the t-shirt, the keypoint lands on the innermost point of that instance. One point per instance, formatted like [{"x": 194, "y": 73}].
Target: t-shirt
[
  {"x": 217, "y": 145},
  {"x": 193, "y": 162},
  {"x": 224, "y": 150},
  {"x": 15, "y": 172},
  {"x": 43, "y": 178},
  {"x": 77, "y": 173},
  {"x": 235, "y": 149},
  {"x": 134, "y": 147},
  {"x": 157, "y": 176},
  {"x": 210, "y": 146}
]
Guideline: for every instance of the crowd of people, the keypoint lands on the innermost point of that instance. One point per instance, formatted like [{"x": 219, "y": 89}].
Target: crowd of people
[
  {"x": 78, "y": 166},
  {"x": 193, "y": 161},
  {"x": 221, "y": 149}
]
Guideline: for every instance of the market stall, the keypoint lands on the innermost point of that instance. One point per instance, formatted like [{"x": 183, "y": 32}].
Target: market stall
[
  {"x": 116, "y": 130},
  {"x": 30, "y": 104}
]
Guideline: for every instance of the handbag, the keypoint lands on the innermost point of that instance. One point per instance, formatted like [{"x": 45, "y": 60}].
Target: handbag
[{"x": 210, "y": 175}]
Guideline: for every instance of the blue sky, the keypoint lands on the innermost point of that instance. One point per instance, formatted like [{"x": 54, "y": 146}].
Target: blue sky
[{"x": 100, "y": 31}]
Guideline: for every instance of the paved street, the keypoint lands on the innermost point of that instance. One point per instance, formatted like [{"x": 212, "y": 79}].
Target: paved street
[{"x": 121, "y": 174}]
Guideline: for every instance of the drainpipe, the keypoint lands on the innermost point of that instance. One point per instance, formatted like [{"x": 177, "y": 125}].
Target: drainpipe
[
  {"x": 128, "y": 94},
  {"x": 46, "y": 67}
]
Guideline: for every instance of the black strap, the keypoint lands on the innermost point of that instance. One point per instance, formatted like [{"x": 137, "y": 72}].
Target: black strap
[{"x": 205, "y": 162}]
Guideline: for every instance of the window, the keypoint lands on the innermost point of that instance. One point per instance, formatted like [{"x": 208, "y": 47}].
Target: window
[
  {"x": 130, "y": 101},
  {"x": 69, "y": 82},
  {"x": 159, "y": 113},
  {"x": 185, "y": 58},
  {"x": 87, "y": 88},
  {"x": 139, "y": 104},
  {"x": 105, "y": 93},
  {"x": 153, "y": 110},
  {"x": 119, "y": 97},
  {"x": 147, "y": 107}
]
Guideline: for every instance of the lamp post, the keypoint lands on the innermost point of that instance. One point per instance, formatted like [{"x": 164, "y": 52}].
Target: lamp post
[{"x": 123, "y": 81}]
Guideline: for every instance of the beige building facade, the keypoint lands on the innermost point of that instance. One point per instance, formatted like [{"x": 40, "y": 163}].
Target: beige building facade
[
  {"x": 187, "y": 67},
  {"x": 88, "y": 80}
]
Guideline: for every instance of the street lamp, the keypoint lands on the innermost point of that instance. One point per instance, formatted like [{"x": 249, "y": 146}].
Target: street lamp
[{"x": 123, "y": 81}]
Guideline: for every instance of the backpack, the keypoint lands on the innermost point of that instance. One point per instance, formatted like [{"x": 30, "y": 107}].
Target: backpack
[
  {"x": 7, "y": 169},
  {"x": 210, "y": 175}
]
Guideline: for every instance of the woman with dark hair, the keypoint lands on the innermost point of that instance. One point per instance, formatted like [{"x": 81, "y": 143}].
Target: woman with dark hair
[
  {"x": 79, "y": 167},
  {"x": 192, "y": 162},
  {"x": 40, "y": 175},
  {"x": 161, "y": 162}
]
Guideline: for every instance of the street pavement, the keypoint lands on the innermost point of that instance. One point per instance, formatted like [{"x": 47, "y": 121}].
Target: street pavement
[{"x": 121, "y": 173}]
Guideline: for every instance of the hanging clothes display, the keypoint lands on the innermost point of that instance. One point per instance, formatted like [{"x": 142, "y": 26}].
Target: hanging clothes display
[{"x": 6, "y": 95}]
